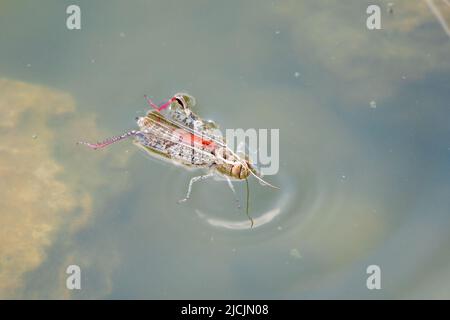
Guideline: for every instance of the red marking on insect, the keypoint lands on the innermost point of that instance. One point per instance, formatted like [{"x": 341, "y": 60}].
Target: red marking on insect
[
  {"x": 199, "y": 140},
  {"x": 207, "y": 142}
]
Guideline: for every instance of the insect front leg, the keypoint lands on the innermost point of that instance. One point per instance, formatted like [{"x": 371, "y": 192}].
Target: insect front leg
[
  {"x": 230, "y": 184},
  {"x": 195, "y": 179}
]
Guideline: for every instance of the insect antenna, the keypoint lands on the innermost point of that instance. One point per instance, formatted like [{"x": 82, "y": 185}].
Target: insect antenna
[{"x": 248, "y": 203}]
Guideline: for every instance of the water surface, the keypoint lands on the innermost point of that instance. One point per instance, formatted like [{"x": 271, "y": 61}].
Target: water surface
[{"x": 364, "y": 150}]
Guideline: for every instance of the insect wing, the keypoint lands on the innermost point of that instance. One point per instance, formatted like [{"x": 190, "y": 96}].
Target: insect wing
[
  {"x": 184, "y": 117},
  {"x": 168, "y": 139}
]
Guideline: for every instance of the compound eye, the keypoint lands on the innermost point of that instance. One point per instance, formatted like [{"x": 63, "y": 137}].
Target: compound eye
[{"x": 180, "y": 100}]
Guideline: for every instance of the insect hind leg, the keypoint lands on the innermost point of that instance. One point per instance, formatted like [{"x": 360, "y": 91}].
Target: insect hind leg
[
  {"x": 193, "y": 180},
  {"x": 107, "y": 142}
]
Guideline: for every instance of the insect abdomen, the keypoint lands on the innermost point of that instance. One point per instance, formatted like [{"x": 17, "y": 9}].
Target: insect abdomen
[{"x": 236, "y": 171}]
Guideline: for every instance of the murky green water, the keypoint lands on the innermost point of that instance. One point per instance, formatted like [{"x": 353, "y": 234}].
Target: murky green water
[{"x": 364, "y": 150}]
